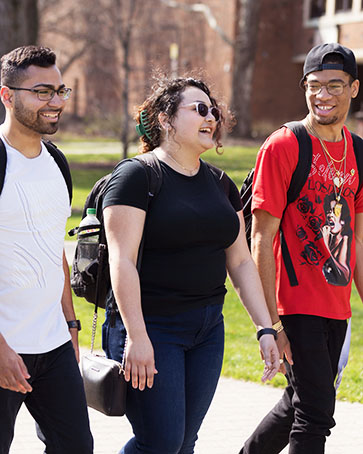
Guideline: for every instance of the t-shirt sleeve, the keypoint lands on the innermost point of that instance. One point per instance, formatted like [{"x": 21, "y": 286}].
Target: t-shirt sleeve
[
  {"x": 128, "y": 185},
  {"x": 234, "y": 195},
  {"x": 275, "y": 164}
]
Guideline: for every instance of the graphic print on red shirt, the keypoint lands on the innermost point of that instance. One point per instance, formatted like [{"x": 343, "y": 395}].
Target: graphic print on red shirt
[{"x": 319, "y": 234}]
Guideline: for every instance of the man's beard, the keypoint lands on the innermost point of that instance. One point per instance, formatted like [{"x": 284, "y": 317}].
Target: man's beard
[
  {"x": 327, "y": 121},
  {"x": 33, "y": 120}
]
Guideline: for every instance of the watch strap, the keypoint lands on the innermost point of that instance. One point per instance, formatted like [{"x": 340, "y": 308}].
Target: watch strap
[{"x": 74, "y": 324}]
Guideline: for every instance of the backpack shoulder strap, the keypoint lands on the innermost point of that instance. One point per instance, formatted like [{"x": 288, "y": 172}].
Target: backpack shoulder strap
[
  {"x": 94, "y": 198},
  {"x": 153, "y": 169},
  {"x": 302, "y": 170},
  {"x": 298, "y": 180},
  {"x": 358, "y": 150},
  {"x": 62, "y": 163},
  {"x": 221, "y": 176},
  {"x": 3, "y": 161}
]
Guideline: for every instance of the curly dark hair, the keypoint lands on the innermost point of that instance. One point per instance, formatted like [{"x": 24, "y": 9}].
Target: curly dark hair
[
  {"x": 15, "y": 63},
  {"x": 165, "y": 98}
]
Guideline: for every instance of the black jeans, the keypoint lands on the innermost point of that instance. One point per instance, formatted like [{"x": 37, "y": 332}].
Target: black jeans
[
  {"x": 304, "y": 415},
  {"x": 57, "y": 403}
]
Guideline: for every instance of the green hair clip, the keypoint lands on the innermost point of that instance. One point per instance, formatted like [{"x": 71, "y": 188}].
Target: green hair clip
[{"x": 144, "y": 128}]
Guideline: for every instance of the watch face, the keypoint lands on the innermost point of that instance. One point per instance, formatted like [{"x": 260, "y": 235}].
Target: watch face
[{"x": 74, "y": 324}]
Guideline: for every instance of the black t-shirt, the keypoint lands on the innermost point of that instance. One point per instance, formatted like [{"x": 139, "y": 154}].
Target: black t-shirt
[{"x": 188, "y": 226}]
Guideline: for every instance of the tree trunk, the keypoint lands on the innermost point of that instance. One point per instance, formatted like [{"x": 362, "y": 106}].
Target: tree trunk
[
  {"x": 125, "y": 29},
  {"x": 19, "y": 26},
  {"x": 247, "y": 18},
  {"x": 125, "y": 99}
]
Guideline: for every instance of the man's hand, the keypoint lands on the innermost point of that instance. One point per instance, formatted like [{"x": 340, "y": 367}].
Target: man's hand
[
  {"x": 13, "y": 372},
  {"x": 283, "y": 345}
]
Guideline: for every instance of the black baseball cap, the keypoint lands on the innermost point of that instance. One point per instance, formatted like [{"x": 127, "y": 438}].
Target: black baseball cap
[{"x": 314, "y": 60}]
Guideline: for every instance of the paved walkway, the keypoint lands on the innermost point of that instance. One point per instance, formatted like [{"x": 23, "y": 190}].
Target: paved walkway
[
  {"x": 237, "y": 408},
  {"x": 235, "y": 411}
]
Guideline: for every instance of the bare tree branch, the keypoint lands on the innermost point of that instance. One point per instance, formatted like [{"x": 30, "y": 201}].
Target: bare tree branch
[
  {"x": 75, "y": 56},
  {"x": 203, "y": 9}
]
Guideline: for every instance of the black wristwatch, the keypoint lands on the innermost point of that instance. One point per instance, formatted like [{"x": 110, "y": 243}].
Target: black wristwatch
[
  {"x": 263, "y": 331},
  {"x": 74, "y": 324}
]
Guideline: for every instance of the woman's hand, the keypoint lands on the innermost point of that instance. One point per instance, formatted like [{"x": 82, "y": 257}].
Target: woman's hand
[
  {"x": 139, "y": 362},
  {"x": 270, "y": 355}
]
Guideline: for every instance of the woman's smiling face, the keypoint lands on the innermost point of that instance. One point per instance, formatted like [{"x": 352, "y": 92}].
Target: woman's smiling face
[{"x": 191, "y": 129}]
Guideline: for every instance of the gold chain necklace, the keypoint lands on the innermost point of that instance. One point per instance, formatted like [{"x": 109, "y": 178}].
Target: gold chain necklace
[
  {"x": 327, "y": 152},
  {"x": 338, "y": 181},
  {"x": 191, "y": 171}
]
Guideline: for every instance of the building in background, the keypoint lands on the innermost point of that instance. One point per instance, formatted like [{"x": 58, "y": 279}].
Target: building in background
[
  {"x": 178, "y": 39},
  {"x": 288, "y": 30}
]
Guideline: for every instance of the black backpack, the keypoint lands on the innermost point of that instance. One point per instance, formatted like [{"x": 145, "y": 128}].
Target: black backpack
[
  {"x": 94, "y": 282},
  {"x": 298, "y": 180},
  {"x": 57, "y": 155}
]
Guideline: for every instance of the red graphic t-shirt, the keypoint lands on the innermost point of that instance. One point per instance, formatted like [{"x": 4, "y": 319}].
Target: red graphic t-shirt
[{"x": 319, "y": 234}]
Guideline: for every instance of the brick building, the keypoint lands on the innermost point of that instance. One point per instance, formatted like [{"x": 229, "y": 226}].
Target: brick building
[{"x": 287, "y": 30}]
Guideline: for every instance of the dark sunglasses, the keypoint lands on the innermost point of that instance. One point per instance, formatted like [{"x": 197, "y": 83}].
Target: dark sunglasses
[{"x": 203, "y": 109}]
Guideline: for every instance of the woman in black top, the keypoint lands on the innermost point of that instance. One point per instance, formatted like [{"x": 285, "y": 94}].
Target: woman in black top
[{"x": 172, "y": 309}]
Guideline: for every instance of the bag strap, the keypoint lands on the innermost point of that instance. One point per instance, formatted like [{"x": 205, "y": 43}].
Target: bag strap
[
  {"x": 57, "y": 155},
  {"x": 298, "y": 180},
  {"x": 62, "y": 163},
  {"x": 358, "y": 150},
  {"x": 153, "y": 169},
  {"x": 102, "y": 252},
  {"x": 154, "y": 175},
  {"x": 221, "y": 177},
  {"x": 3, "y": 161},
  {"x": 303, "y": 166}
]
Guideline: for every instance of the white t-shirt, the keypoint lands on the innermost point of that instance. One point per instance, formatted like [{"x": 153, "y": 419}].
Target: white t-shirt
[{"x": 34, "y": 206}]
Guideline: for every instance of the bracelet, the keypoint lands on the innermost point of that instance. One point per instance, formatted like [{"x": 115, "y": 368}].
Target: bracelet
[
  {"x": 278, "y": 326},
  {"x": 263, "y": 331},
  {"x": 74, "y": 324}
]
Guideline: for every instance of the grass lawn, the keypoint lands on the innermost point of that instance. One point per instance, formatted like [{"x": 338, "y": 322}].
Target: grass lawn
[{"x": 242, "y": 358}]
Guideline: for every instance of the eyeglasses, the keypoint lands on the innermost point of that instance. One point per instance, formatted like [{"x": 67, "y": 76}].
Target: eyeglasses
[
  {"x": 203, "y": 109},
  {"x": 333, "y": 88},
  {"x": 46, "y": 94}
]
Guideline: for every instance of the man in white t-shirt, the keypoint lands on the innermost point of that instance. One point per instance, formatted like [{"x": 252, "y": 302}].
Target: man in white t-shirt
[{"x": 38, "y": 327}]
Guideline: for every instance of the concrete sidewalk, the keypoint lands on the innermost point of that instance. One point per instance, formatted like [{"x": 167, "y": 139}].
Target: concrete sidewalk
[{"x": 235, "y": 412}]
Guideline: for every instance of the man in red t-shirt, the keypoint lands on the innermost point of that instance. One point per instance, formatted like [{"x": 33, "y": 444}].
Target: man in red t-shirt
[{"x": 323, "y": 230}]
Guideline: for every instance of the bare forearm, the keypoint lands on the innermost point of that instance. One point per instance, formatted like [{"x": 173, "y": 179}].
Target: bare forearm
[
  {"x": 67, "y": 303},
  {"x": 126, "y": 287},
  {"x": 262, "y": 254},
  {"x": 247, "y": 284}
]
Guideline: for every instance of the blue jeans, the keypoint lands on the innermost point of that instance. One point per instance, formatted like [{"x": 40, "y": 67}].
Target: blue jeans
[
  {"x": 57, "y": 403},
  {"x": 304, "y": 415},
  {"x": 188, "y": 351}
]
